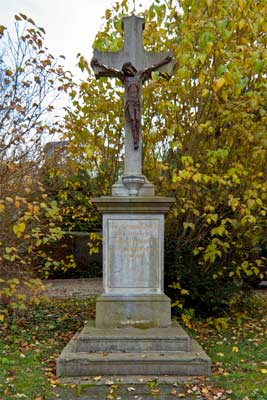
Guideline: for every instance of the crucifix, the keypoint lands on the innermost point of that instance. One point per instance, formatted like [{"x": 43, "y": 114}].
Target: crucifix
[
  {"x": 133, "y": 315},
  {"x": 133, "y": 66}
]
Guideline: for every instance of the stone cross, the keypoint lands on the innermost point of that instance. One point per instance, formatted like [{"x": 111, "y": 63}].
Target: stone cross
[{"x": 133, "y": 66}]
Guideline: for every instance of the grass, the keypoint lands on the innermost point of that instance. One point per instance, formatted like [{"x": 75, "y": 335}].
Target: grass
[
  {"x": 30, "y": 344},
  {"x": 239, "y": 353}
]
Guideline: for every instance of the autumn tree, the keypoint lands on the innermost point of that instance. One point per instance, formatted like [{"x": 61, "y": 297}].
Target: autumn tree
[{"x": 31, "y": 80}]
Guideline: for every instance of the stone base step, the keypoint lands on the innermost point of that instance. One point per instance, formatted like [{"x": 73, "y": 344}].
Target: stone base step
[
  {"x": 131, "y": 340},
  {"x": 125, "y": 387},
  {"x": 73, "y": 364}
]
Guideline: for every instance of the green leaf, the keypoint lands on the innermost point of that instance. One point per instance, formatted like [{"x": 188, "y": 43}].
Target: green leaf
[
  {"x": 204, "y": 39},
  {"x": 221, "y": 70}
]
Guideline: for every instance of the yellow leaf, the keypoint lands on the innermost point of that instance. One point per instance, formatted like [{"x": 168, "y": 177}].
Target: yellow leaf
[
  {"x": 2, "y": 208},
  {"x": 209, "y": 47},
  {"x": 218, "y": 84},
  {"x": 188, "y": 225},
  {"x": 241, "y": 4},
  {"x": 19, "y": 229},
  {"x": 241, "y": 24},
  {"x": 36, "y": 210},
  {"x": 219, "y": 230},
  {"x": 235, "y": 349},
  {"x": 264, "y": 371},
  {"x": 8, "y": 250},
  {"x": 197, "y": 177},
  {"x": 251, "y": 203},
  {"x": 89, "y": 152},
  {"x": 108, "y": 14},
  {"x": 205, "y": 92},
  {"x": 97, "y": 378},
  {"x": 2, "y": 317},
  {"x": 201, "y": 77}
]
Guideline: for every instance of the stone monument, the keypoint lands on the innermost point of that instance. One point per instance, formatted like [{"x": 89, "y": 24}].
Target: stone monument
[{"x": 133, "y": 315}]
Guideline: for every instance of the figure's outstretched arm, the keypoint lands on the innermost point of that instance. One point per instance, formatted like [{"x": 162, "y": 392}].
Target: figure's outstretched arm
[
  {"x": 108, "y": 71},
  {"x": 146, "y": 74}
]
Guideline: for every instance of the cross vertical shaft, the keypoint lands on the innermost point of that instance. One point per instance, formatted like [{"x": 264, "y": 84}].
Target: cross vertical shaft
[{"x": 132, "y": 158}]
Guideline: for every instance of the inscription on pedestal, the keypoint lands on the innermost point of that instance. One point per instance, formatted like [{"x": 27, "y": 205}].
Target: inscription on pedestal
[{"x": 133, "y": 258}]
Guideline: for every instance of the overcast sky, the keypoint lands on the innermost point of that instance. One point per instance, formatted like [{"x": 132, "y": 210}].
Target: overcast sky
[{"x": 70, "y": 25}]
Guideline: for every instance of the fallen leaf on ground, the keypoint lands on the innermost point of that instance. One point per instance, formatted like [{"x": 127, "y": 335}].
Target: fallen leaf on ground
[{"x": 97, "y": 378}]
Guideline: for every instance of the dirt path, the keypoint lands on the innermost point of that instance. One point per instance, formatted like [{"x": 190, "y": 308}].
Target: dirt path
[
  {"x": 82, "y": 288},
  {"x": 79, "y": 288}
]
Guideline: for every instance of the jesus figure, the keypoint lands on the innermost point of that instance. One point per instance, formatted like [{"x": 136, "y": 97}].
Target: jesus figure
[{"x": 132, "y": 80}]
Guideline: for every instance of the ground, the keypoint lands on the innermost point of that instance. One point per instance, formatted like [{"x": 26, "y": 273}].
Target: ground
[
  {"x": 83, "y": 288},
  {"x": 73, "y": 288},
  {"x": 30, "y": 343}
]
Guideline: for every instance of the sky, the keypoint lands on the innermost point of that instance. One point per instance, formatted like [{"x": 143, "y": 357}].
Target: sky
[{"x": 70, "y": 25}]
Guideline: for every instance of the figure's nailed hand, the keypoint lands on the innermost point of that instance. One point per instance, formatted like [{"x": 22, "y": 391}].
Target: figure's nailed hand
[{"x": 95, "y": 62}]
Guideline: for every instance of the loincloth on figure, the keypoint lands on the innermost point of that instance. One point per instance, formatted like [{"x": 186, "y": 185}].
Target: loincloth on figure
[{"x": 133, "y": 110}]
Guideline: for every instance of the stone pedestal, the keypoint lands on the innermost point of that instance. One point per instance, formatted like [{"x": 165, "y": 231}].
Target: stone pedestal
[
  {"x": 133, "y": 325},
  {"x": 133, "y": 257}
]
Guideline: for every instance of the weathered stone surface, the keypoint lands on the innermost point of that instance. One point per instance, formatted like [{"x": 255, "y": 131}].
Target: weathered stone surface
[
  {"x": 193, "y": 363},
  {"x": 143, "y": 311},
  {"x": 133, "y": 254},
  {"x": 92, "y": 339},
  {"x": 133, "y": 205},
  {"x": 132, "y": 351},
  {"x": 132, "y": 50},
  {"x": 146, "y": 190},
  {"x": 133, "y": 258}
]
